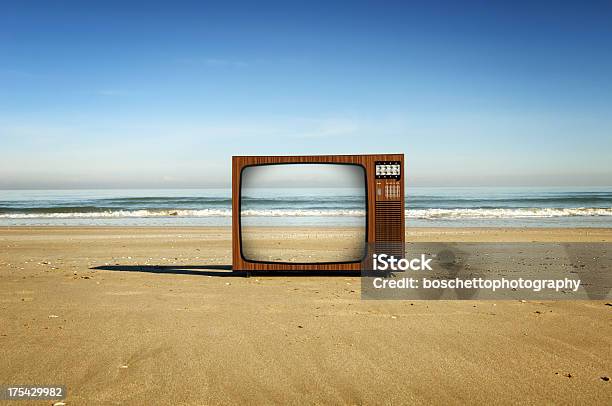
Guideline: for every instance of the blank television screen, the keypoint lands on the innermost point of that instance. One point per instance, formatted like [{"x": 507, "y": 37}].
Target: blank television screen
[{"x": 303, "y": 213}]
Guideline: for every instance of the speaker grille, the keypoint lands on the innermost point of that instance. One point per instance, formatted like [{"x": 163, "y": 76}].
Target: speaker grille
[{"x": 389, "y": 221}]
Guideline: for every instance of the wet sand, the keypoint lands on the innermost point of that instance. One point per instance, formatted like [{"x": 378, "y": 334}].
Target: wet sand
[{"x": 172, "y": 325}]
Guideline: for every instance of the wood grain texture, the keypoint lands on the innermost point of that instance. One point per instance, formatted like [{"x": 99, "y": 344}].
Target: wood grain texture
[{"x": 365, "y": 161}]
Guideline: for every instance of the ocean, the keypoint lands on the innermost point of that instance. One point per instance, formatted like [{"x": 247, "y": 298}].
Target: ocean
[{"x": 425, "y": 207}]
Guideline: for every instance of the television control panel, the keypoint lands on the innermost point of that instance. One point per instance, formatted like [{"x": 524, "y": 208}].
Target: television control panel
[
  {"x": 388, "y": 178},
  {"x": 388, "y": 170},
  {"x": 388, "y": 189}
]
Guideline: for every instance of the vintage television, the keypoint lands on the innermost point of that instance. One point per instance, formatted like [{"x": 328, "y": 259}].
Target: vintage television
[{"x": 369, "y": 188}]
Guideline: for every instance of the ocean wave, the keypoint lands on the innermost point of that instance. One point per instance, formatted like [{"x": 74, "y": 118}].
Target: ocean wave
[
  {"x": 500, "y": 213},
  {"x": 122, "y": 214},
  {"x": 431, "y": 214},
  {"x": 186, "y": 213}
]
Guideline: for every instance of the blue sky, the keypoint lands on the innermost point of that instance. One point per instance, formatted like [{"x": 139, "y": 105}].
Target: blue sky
[{"x": 163, "y": 94}]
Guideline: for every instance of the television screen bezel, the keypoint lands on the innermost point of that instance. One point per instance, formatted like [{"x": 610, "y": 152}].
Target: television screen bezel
[{"x": 367, "y": 216}]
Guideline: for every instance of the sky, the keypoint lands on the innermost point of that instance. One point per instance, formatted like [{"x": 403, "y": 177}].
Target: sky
[{"x": 162, "y": 94}]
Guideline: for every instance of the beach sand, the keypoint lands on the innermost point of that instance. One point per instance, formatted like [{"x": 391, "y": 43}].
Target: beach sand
[{"x": 192, "y": 332}]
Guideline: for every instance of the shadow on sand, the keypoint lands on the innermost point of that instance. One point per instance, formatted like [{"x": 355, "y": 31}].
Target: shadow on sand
[
  {"x": 203, "y": 270},
  {"x": 223, "y": 271}
]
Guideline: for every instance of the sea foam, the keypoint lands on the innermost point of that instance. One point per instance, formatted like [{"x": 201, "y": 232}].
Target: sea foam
[{"x": 462, "y": 213}]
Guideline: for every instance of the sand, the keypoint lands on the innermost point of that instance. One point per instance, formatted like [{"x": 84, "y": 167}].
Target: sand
[{"x": 195, "y": 333}]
